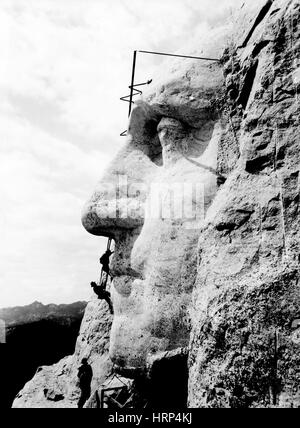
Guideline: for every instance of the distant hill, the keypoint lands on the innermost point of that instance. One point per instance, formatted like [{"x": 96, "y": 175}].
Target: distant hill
[
  {"x": 36, "y": 335},
  {"x": 36, "y": 311}
]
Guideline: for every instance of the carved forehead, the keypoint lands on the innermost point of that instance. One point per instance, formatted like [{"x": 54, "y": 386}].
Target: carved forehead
[
  {"x": 188, "y": 88},
  {"x": 189, "y": 95}
]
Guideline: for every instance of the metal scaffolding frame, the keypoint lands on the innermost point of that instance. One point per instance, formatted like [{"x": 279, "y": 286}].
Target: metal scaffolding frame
[{"x": 132, "y": 86}]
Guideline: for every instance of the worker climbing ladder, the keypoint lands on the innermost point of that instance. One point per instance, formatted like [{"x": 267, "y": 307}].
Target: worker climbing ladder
[{"x": 104, "y": 275}]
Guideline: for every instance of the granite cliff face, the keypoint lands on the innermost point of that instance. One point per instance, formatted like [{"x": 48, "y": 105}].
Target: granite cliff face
[
  {"x": 208, "y": 285},
  {"x": 244, "y": 348}
]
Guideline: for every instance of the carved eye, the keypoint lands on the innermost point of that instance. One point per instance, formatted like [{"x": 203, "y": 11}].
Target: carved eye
[
  {"x": 150, "y": 128},
  {"x": 154, "y": 149},
  {"x": 185, "y": 139}
]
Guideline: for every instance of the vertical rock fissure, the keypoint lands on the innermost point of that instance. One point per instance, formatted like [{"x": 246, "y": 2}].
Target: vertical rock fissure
[
  {"x": 248, "y": 85},
  {"x": 263, "y": 12}
]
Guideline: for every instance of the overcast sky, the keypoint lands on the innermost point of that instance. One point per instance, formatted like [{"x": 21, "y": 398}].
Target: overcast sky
[{"x": 64, "y": 65}]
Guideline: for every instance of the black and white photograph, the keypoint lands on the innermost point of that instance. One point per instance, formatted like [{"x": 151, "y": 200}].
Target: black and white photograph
[{"x": 150, "y": 183}]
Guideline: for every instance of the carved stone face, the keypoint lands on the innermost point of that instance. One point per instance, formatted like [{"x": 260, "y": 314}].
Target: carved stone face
[{"x": 152, "y": 200}]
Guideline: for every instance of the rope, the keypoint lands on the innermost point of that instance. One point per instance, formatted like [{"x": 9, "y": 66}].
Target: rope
[
  {"x": 201, "y": 165},
  {"x": 128, "y": 98},
  {"x": 280, "y": 194},
  {"x": 181, "y": 56},
  {"x": 282, "y": 215},
  {"x": 134, "y": 91}
]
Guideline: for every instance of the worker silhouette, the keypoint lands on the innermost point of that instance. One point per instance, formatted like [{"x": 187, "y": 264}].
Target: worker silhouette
[
  {"x": 102, "y": 294},
  {"x": 85, "y": 375},
  {"x": 104, "y": 261}
]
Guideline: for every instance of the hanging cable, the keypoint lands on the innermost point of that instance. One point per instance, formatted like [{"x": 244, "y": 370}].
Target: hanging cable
[{"x": 180, "y": 56}]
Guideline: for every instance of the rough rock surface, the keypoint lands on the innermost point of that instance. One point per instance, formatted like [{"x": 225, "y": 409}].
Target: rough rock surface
[
  {"x": 223, "y": 284},
  {"x": 244, "y": 349}
]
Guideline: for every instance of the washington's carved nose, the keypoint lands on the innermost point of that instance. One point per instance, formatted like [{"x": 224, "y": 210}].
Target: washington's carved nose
[{"x": 117, "y": 204}]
